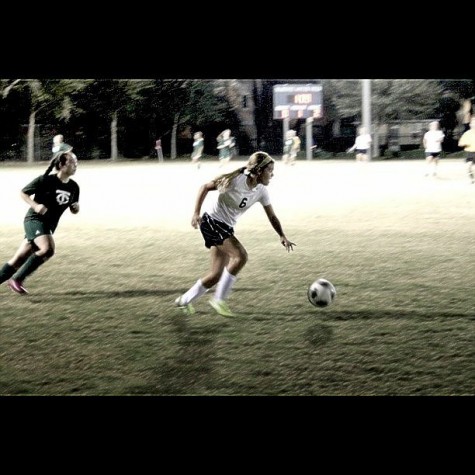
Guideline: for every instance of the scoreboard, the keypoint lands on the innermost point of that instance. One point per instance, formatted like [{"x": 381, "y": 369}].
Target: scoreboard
[{"x": 297, "y": 101}]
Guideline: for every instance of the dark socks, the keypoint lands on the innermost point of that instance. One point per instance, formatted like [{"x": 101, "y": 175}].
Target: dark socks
[
  {"x": 29, "y": 267},
  {"x": 6, "y": 272}
]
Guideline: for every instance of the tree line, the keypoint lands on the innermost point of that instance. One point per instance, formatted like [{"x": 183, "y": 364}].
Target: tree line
[{"x": 113, "y": 118}]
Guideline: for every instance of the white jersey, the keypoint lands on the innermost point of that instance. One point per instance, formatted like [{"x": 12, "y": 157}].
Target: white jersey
[
  {"x": 433, "y": 140},
  {"x": 237, "y": 199},
  {"x": 363, "y": 142}
]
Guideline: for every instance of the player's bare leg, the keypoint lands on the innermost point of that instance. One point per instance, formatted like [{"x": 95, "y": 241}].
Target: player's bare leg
[
  {"x": 219, "y": 260},
  {"x": 236, "y": 258},
  {"x": 429, "y": 161},
  {"x": 435, "y": 162}
]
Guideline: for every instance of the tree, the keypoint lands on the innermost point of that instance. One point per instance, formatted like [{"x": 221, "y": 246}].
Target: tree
[
  {"x": 462, "y": 88},
  {"x": 39, "y": 97},
  {"x": 49, "y": 95},
  {"x": 161, "y": 99},
  {"x": 391, "y": 99},
  {"x": 175, "y": 103},
  {"x": 243, "y": 98},
  {"x": 107, "y": 100}
]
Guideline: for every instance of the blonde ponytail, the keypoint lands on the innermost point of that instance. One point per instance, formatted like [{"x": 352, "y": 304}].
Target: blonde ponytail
[{"x": 256, "y": 163}]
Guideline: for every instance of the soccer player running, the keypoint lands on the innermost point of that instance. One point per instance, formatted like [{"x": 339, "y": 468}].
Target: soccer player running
[
  {"x": 52, "y": 195},
  {"x": 59, "y": 145},
  {"x": 467, "y": 141},
  {"x": 225, "y": 146},
  {"x": 198, "y": 147},
  {"x": 362, "y": 144},
  {"x": 238, "y": 191},
  {"x": 432, "y": 142}
]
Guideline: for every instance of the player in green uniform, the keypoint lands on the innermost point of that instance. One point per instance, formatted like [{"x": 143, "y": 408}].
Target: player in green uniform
[
  {"x": 53, "y": 194},
  {"x": 226, "y": 144},
  {"x": 287, "y": 146},
  {"x": 198, "y": 147}
]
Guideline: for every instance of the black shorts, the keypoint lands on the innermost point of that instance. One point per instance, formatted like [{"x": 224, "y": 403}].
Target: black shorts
[
  {"x": 432, "y": 154},
  {"x": 214, "y": 232},
  {"x": 363, "y": 151},
  {"x": 34, "y": 228}
]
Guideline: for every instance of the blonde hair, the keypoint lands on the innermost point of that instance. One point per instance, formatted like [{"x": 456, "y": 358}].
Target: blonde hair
[{"x": 255, "y": 165}]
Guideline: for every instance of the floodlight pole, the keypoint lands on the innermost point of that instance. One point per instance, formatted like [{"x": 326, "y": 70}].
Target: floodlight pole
[
  {"x": 285, "y": 128},
  {"x": 366, "y": 109},
  {"x": 309, "y": 138}
]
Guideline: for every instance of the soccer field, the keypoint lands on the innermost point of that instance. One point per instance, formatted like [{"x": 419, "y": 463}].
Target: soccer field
[{"x": 100, "y": 320}]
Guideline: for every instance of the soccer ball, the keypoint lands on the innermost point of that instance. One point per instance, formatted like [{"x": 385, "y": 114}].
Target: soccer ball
[{"x": 321, "y": 293}]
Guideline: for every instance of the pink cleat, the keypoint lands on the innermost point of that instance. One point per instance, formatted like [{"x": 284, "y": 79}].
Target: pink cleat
[{"x": 17, "y": 286}]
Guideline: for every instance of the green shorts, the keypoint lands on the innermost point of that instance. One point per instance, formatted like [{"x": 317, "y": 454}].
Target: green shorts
[{"x": 35, "y": 228}]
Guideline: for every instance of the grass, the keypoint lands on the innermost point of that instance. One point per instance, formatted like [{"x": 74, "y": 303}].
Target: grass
[{"x": 100, "y": 318}]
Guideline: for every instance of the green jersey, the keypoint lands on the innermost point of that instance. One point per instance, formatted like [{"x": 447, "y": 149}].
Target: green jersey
[
  {"x": 288, "y": 145},
  {"x": 54, "y": 194},
  {"x": 198, "y": 146},
  {"x": 226, "y": 147}
]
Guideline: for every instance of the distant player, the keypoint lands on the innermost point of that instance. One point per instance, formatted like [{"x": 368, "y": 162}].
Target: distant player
[
  {"x": 198, "y": 147},
  {"x": 291, "y": 147},
  {"x": 58, "y": 144},
  {"x": 238, "y": 191},
  {"x": 362, "y": 145},
  {"x": 432, "y": 142},
  {"x": 53, "y": 194},
  {"x": 466, "y": 114},
  {"x": 226, "y": 145},
  {"x": 158, "y": 148},
  {"x": 287, "y": 146},
  {"x": 295, "y": 148},
  {"x": 467, "y": 141}
]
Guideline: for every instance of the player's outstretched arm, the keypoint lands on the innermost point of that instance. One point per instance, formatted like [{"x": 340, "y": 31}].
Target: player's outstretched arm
[{"x": 274, "y": 221}]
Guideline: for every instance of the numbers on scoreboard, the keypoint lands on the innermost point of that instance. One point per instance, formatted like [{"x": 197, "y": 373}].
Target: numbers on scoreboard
[{"x": 303, "y": 99}]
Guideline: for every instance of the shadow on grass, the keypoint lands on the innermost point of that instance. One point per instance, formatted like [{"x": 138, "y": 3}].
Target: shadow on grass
[
  {"x": 126, "y": 293},
  {"x": 391, "y": 315},
  {"x": 107, "y": 294},
  {"x": 196, "y": 366},
  {"x": 192, "y": 366},
  {"x": 319, "y": 334},
  {"x": 331, "y": 315}
]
